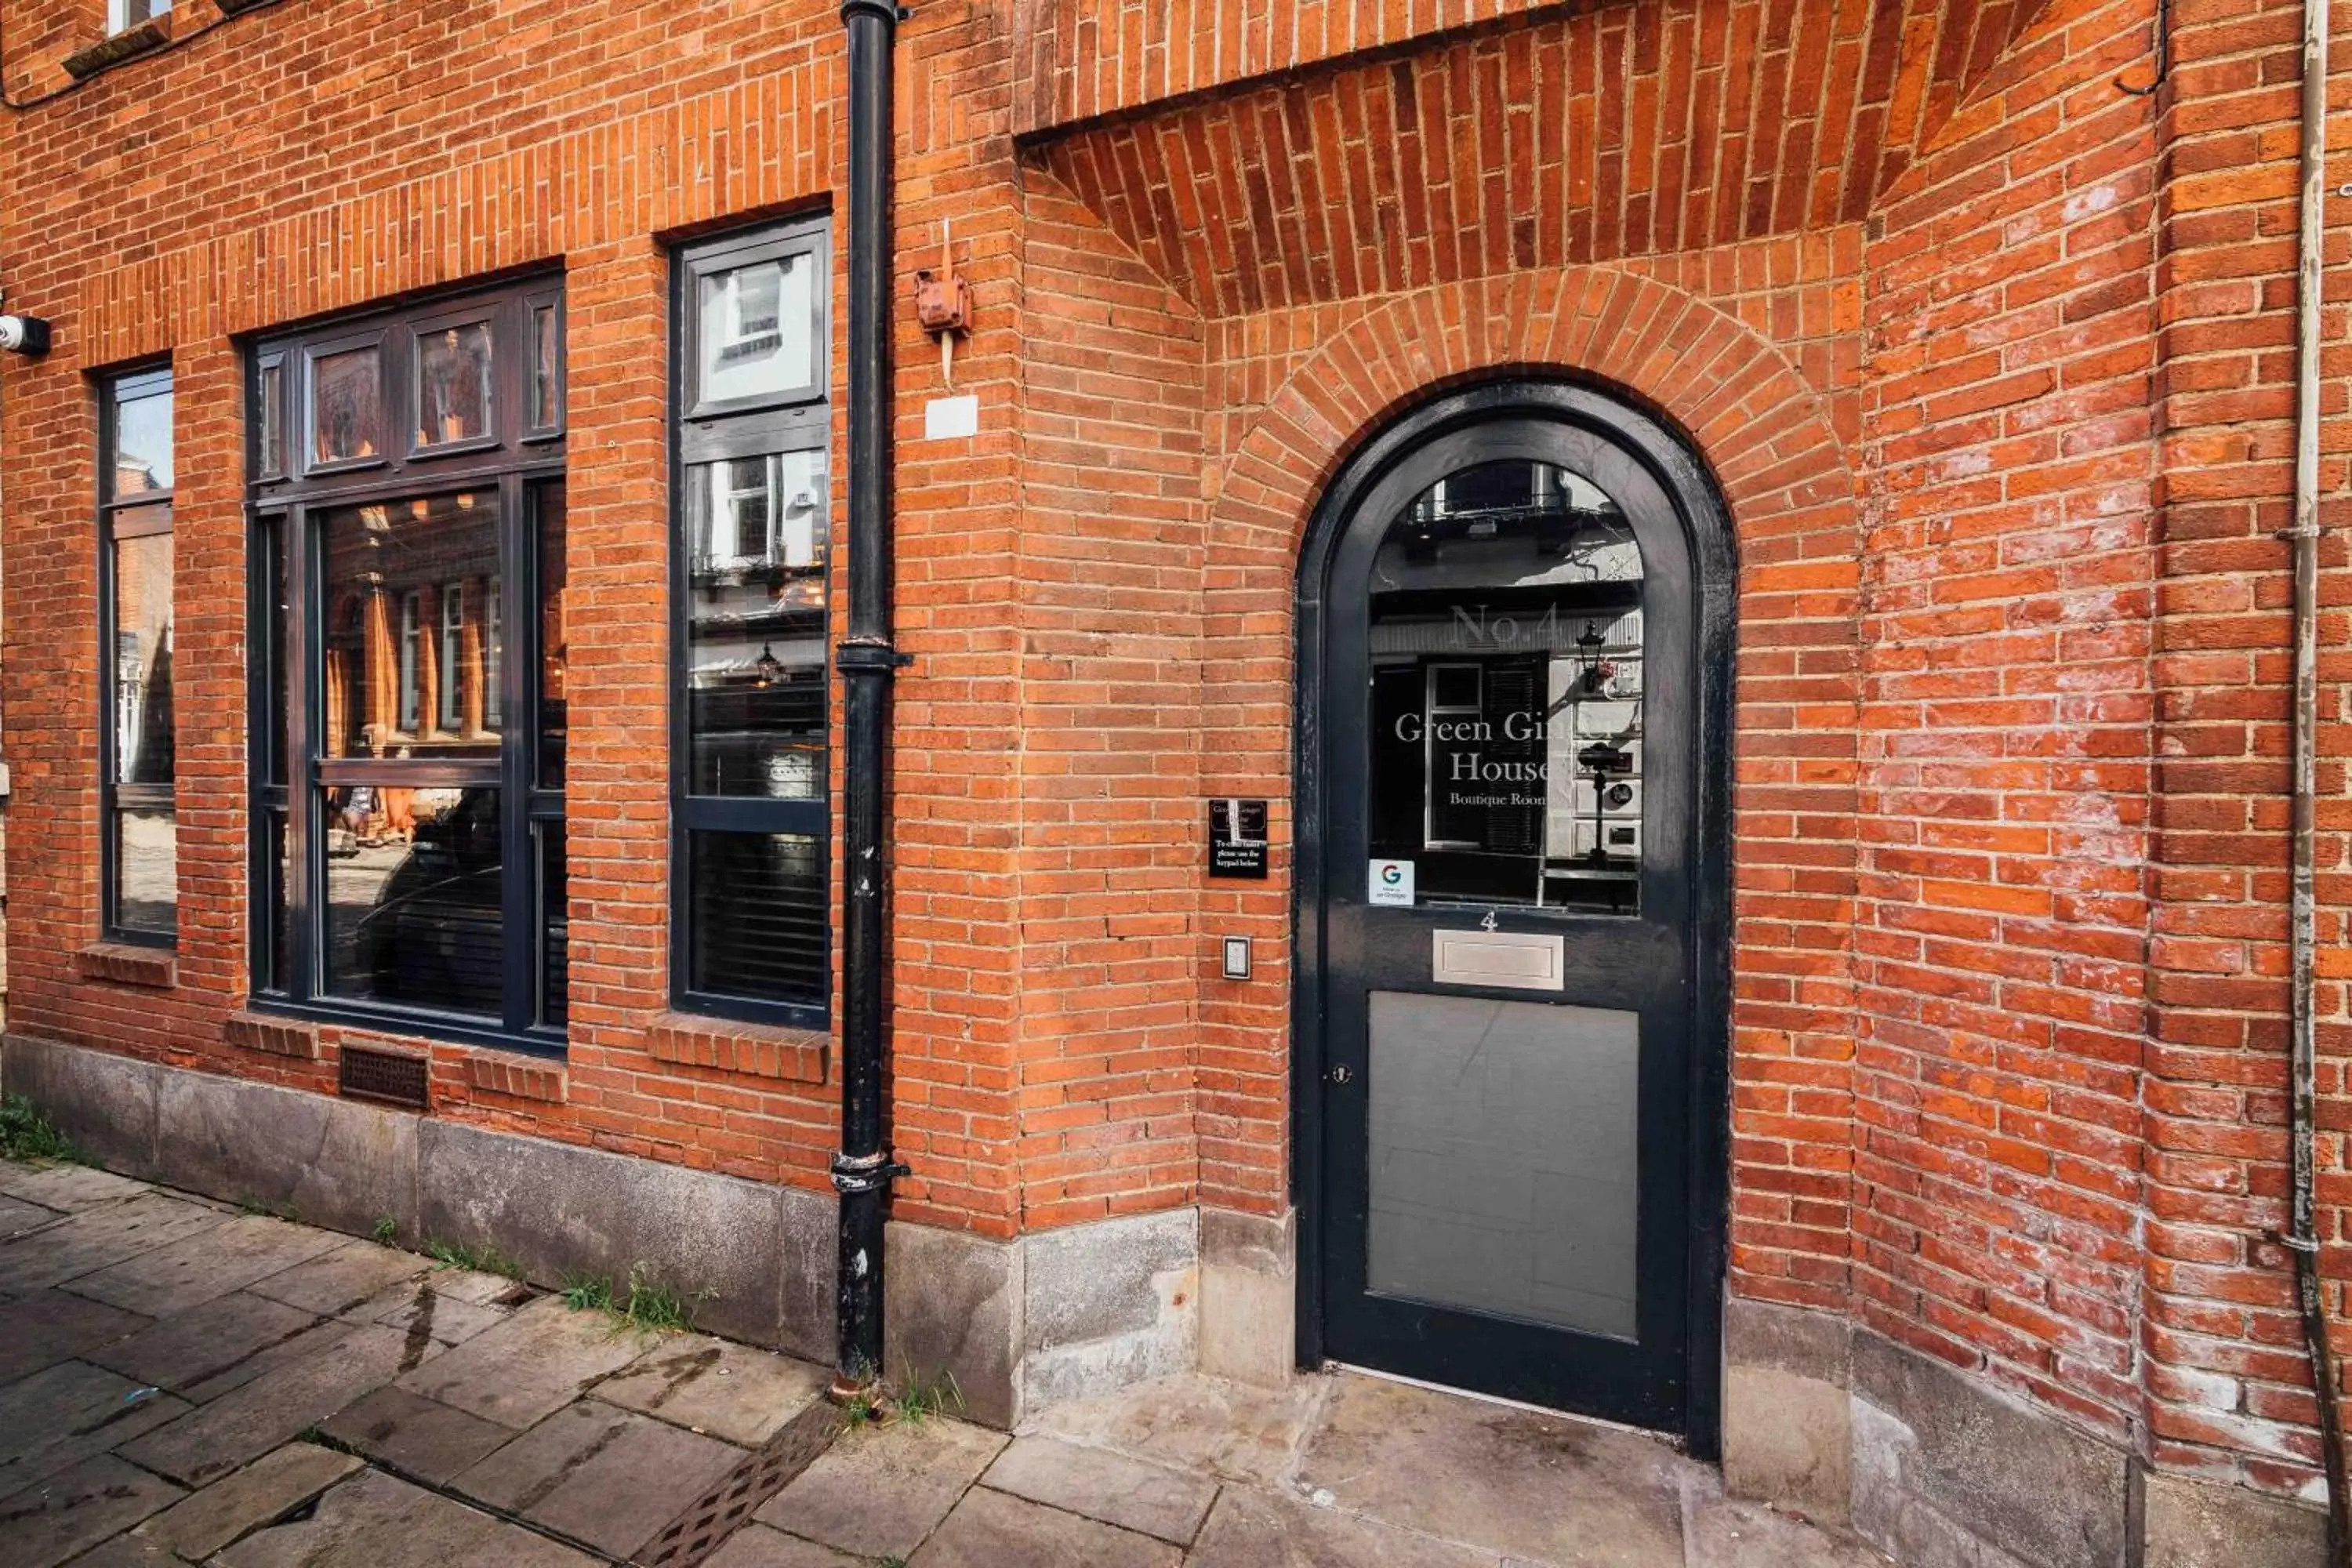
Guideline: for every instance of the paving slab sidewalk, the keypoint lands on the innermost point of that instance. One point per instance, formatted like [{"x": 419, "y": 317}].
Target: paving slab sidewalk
[{"x": 181, "y": 1383}]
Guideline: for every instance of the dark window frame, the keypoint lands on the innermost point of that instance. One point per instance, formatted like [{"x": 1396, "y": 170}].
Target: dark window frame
[
  {"x": 286, "y": 519},
  {"x": 146, "y": 515},
  {"x": 798, "y": 419}
]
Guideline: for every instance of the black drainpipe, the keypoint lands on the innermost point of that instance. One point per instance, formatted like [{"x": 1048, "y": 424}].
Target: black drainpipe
[{"x": 863, "y": 1168}]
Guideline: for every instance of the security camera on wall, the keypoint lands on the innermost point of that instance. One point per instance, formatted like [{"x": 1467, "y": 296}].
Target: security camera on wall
[{"x": 24, "y": 335}]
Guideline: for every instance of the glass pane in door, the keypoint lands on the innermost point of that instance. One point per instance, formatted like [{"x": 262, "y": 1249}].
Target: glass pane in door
[
  {"x": 1506, "y": 652},
  {"x": 1503, "y": 1141}
]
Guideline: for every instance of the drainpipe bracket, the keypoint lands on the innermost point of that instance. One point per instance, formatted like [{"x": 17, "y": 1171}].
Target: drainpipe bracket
[
  {"x": 854, "y": 1173},
  {"x": 862, "y": 656}
]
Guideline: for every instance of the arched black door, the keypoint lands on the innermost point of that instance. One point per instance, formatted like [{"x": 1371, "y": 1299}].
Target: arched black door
[{"x": 1513, "y": 615}]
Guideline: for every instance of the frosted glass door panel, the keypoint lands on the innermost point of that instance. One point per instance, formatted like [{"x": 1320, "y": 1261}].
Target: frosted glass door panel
[{"x": 1503, "y": 1142}]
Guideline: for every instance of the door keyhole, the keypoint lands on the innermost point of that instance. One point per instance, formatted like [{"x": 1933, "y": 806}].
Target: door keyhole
[{"x": 1342, "y": 1074}]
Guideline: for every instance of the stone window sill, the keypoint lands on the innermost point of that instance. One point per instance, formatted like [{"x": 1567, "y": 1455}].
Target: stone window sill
[
  {"x": 128, "y": 45},
  {"x": 274, "y": 1036},
  {"x": 125, "y": 965},
  {"x": 239, "y": 7},
  {"x": 753, "y": 1050}
]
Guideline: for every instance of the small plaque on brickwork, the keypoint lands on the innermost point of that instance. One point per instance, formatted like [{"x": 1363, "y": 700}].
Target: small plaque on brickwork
[{"x": 1237, "y": 838}]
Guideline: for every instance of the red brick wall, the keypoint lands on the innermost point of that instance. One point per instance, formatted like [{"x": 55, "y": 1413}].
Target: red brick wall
[
  {"x": 2229, "y": 1383},
  {"x": 1986, "y": 353},
  {"x": 2005, "y": 760},
  {"x": 372, "y": 152}
]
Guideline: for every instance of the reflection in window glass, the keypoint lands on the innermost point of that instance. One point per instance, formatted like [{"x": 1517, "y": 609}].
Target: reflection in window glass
[
  {"x": 147, "y": 871},
  {"x": 140, "y": 442},
  {"x": 554, "y": 635},
  {"x": 346, "y": 406},
  {"x": 410, "y": 677},
  {"x": 452, "y": 384},
  {"x": 756, "y": 685},
  {"x": 555, "y": 927},
  {"x": 270, "y": 422},
  {"x": 121, "y": 15},
  {"x": 381, "y": 561},
  {"x": 452, "y": 657},
  {"x": 413, "y": 912},
  {"x": 1506, "y": 652},
  {"x": 759, "y": 912},
  {"x": 546, "y": 380},
  {"x": 276, "y": 864},
  {"x": 493, "y": 623},
  {"x": 142, "y": 658},
  {"x": 756, "y": 327}
]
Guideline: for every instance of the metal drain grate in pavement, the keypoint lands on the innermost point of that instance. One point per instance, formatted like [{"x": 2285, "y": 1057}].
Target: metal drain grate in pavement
[{"x": 720, "y": 1512}]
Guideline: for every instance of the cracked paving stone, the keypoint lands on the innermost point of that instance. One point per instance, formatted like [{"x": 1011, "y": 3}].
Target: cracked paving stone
[
  {"x": 529, "y": 1366},
  {"x": 879, "y": 1490},
  {"x": 187, "y": 1274},
  {"x": 241, "y": 1426},
  {"x": 186, "y": 1351},
  {"x": 1249, "y": 1529},
  {"x": 376, "y": 1521},
  {"x": 415, "y": 1436},
  {"x": 50, "y": 1326},
  {"x": 989, "y": 1528},
  {"x": 610, "y": 1477},
  {"x": 76, "y": 1509},
  {"x": 70, "y": 1188},
  {"x": 1150, "y": 1499},
  {"x": 265, "y": 1491},
  {"x": 340, "y": 1278},
  {"x": 17, "y": 1216},
  {"x": 101, "y": 1238},
  {"x": 729, "y": 1391},
  {"x": 67, "y": 1412}
]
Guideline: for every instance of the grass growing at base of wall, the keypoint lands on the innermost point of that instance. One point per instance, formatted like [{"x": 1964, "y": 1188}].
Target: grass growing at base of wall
[
  {"x": 479, "y": 1259},
  {"x": 25, "y": 1133},
  {"x": 644, "y": 1304},
  {"x": 922, "y": 1398}
]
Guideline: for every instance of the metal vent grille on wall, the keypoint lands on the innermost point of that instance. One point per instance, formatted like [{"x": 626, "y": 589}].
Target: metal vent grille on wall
[{"x": 390, "y": 1077}]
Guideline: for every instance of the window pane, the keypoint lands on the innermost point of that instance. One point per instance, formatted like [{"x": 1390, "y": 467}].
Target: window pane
[
  {"x": 555, "y": 927},
  {"x": 123, "y": 15},
  {"x": 410, "y": 676},
  {"x": 276, "y": 869},
  {"x": 450, "y": 656},
  {"x": 270, "y": 422},
  {"x": 759, "y": 916},
  {"x": 413, "y": 897},
  {"x": 346, "y": 406},
  {"x": 1507, "y": 647},
  {"x": 376, "y": 557},
  {"x": 452, "y": 384},
  {"x": 140, "y": 443},
  {"x": 143, "y": 659},
  {"x": 756, "y": 554},
  {"x": 276, "y": 745},
  {"x": 146, "y": 872},
  {"x": 758, "y": 328},
  {"x": 546, "y": 381},
  {"x": 554, "y": 635}
]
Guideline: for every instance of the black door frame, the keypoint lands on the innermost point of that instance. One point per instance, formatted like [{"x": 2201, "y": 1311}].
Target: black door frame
[{"x": 1707, "y": 523}]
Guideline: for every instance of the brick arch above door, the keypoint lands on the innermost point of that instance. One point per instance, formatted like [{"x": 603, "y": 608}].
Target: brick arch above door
[{"x": 1771, "y": 442}]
